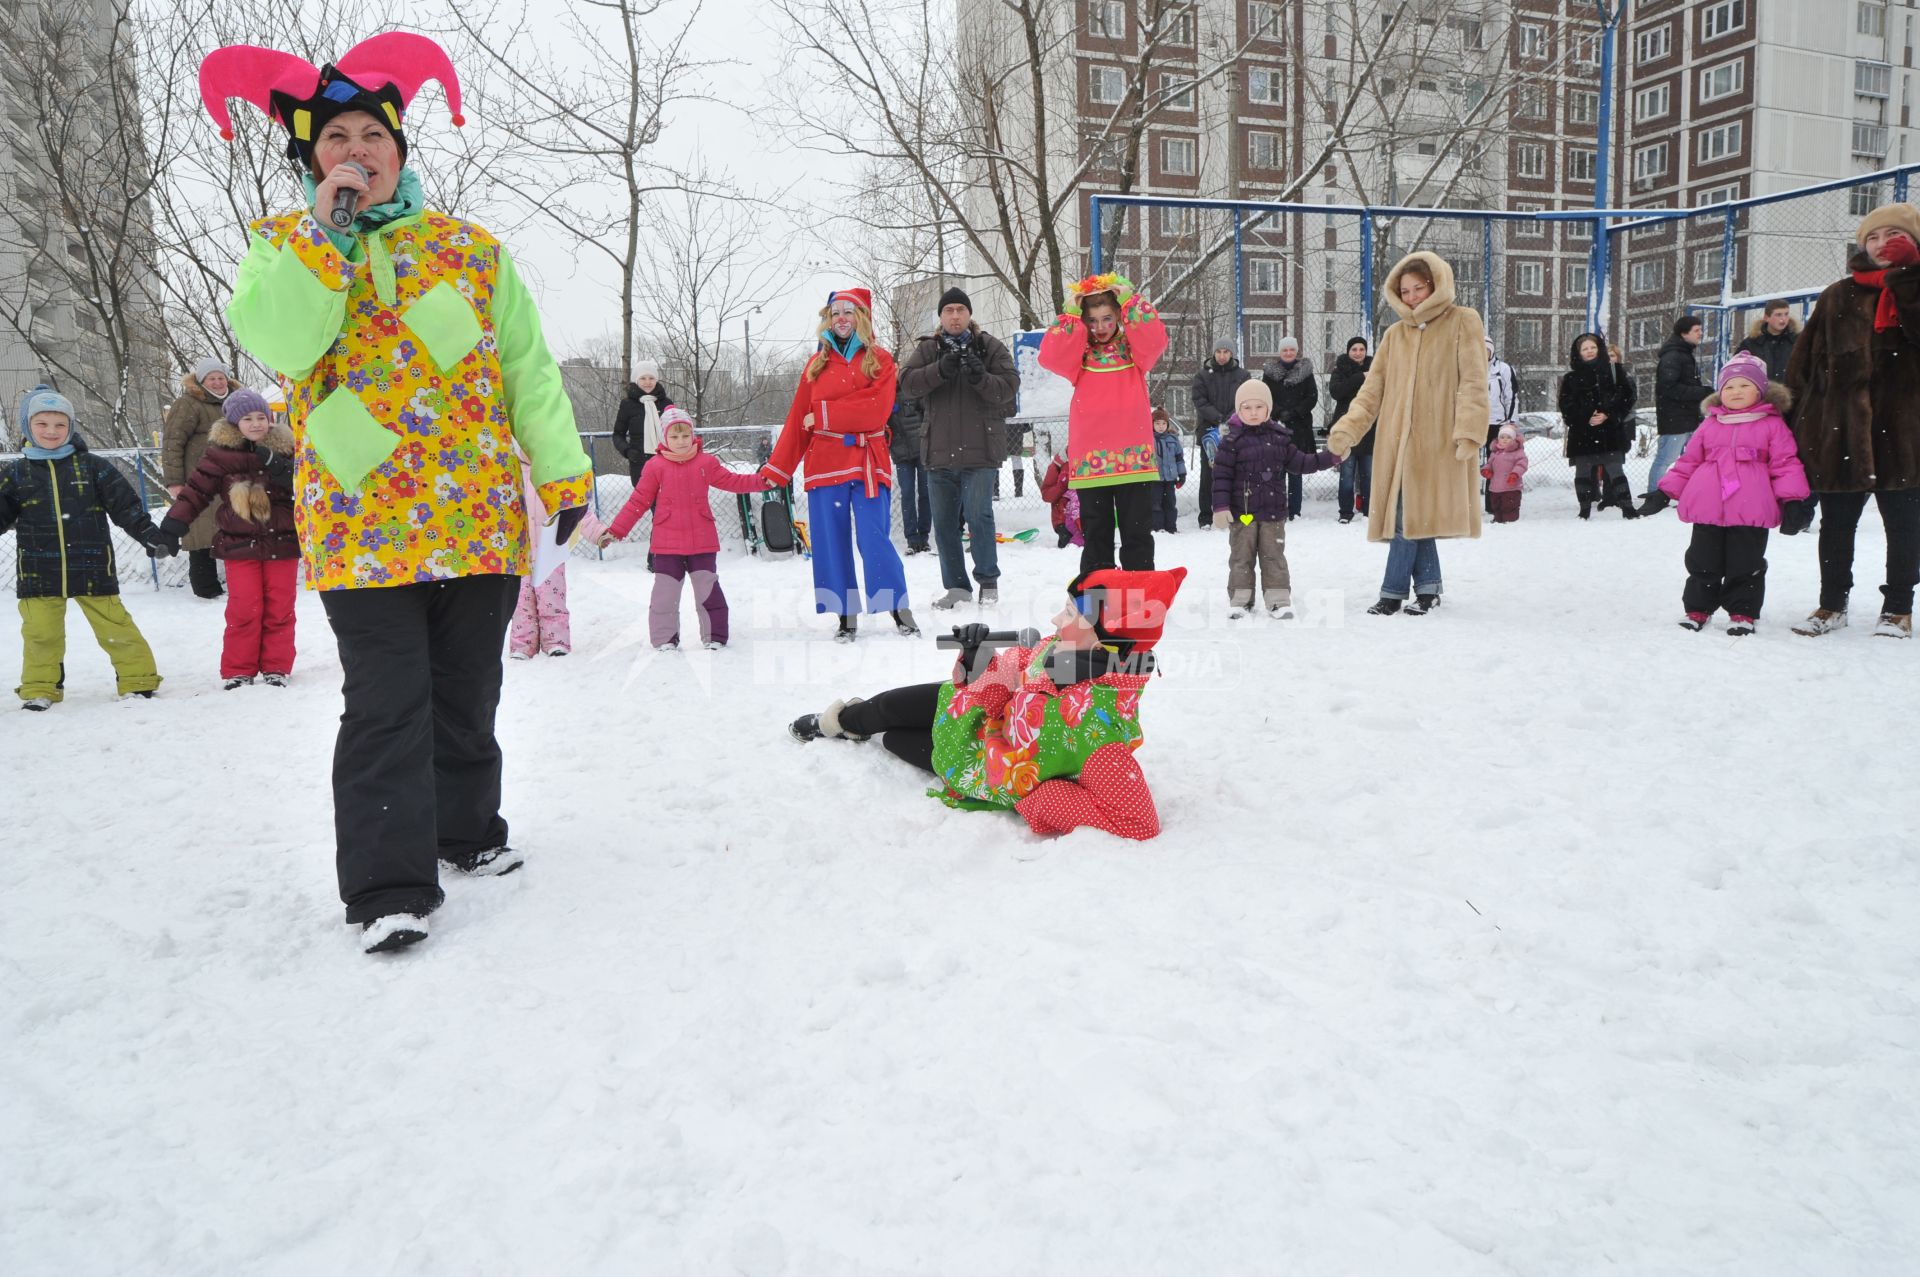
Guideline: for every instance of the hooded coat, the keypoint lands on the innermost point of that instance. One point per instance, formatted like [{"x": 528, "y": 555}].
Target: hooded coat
[
  {"x": 675, "y": 489},
  {"x": 1774, "y": 352},
  {"x": 252, "y": 505},
  {"x": 1590, "y": 386},
  {"x": 1677, "y": 388},
  {"x": 1856, "y": 392},
  {"x": 1735, "y": 473},
  {"x": 1425, "y": 395},
  {"x": 184, "y": 435},
  {"x": 1295, "y": 395},
  {"x": 60, "y": 513}
]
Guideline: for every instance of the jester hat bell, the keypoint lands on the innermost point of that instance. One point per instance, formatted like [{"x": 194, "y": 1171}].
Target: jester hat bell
[{"x": 380, "y": 76}]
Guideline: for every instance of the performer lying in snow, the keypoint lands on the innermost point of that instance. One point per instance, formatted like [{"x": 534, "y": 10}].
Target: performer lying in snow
[{"x": 1047, "y": 730}]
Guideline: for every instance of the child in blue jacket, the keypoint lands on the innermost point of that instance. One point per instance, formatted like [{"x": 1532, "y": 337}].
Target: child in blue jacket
[{"x": 1171, "y": 454}]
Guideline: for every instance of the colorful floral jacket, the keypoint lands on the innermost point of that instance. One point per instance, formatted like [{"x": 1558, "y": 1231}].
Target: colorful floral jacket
[
  {"x": 1110, "y": 420},
  {"x": 410, "y": 374},
  {"x": 997, "y": 738}
]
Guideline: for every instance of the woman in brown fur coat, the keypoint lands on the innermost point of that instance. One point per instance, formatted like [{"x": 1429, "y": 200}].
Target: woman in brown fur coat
[
  {"x": 248, "y": 469},
  {"x": 184, "y": 434},
  {"x": 1426, "y": 397},
  {"x": 1855, "y": 378}
]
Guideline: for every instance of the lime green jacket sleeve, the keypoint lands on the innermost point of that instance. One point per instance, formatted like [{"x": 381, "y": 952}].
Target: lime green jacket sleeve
[
  {"x": 289, "y": 303},
  {"x": 537, "y": 405}
]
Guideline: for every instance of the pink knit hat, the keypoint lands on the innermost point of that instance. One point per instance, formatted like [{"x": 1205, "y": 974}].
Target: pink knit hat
[
  {"x": 1746, "y": 368},
  {"x": 675, "y": 416}
]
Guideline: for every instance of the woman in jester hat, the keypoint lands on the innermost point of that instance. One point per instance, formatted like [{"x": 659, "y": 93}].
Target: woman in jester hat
[
  {"x": 414, "y": 362},
  {"x": 838, "y": 424},
  {"x": 1048, "y": 730}
]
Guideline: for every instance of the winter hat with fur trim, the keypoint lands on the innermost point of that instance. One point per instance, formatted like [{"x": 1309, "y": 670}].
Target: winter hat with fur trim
[
  {"x": 1746, "y": 368},
  {"x": 244, "y": 401},
  {"x": 1257, "y": 389},
  {"x": 1901, "y": 217}
]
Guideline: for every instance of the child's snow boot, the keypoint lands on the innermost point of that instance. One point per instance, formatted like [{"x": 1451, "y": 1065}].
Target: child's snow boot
[
  {"x": 494, "y": 862},
  {"x": 394, "y": 931},
  {"x": 39, "y": 704},
  {"x": 274, "y": 680},
  {"x": 1740, "y": 626},
  {"x": 232, "y": 683},
  {"x": 1695, "y": 621}
]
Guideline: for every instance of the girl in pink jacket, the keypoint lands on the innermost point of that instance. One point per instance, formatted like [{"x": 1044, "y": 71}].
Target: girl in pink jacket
[
  {"x": 1105, "y": 344},
  {"x": 685, "y": 541},
  {"x": 1739, "y": 467}
]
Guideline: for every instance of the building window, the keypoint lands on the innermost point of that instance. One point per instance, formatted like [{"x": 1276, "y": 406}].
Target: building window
[
  {"x": 1650, "y": 162},
  {"x": 1427, "y": 86},
  {"x": 1529, "y": 279},
  {"x": 1579, "y": 232},
  {"x": 1264, "y": 337},
  {"x": 1862, "y": 200},
  {"x": 1530, "y": 334},
  {"x": 1718, "y": 195},
  {"x": 1177, "y": 156},
  {"x": 1105, "y": 85},
  {"x": 1263, "y": 151},
  {"x": 1533, "y": 40},
  {"x": 1263, "y": 87},
  {"x": 1532, "y": 228},
  {"x": 1263, "y": 274},
  {"x": 1706, "y": 265},
  {"x": 1530, "y": 160},
  {"x": 1530, "y": 102},
  {"x": 1580, "y": 163},
  {"x": 1719, "y": 19},
  {"x": 1180, "y": 29},
  {"x": 1176, "y": 221},
  {"x": 1869, "y": 141},
  {"x": 1586, "y": 49},
  {"x": 1647, "y": 277},
  {"x": 1471, "y": 35},
  {"x": 1870, "y": 17},
  {"x": 1646, "y": 333},
  {"x": 1577, "y": 277},
  {"x": 1724, "y": 142},
  {"x": 1651, "y": 104},
  {"x": 1426, "y": 148},
  {"x": 1176, "y": 91},
  {"x": 1872, "y": 79},
  {"x": 1583, "y": 106},
  {"x": 1722, "y": 81},
  {"x": 1107, "y": 19},
  {"x": 1651, "y": 46},
  {"x": 1263, "y": 20}
]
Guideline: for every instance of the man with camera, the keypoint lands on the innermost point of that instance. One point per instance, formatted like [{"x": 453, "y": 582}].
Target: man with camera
[{"x": 965, "y": 381}]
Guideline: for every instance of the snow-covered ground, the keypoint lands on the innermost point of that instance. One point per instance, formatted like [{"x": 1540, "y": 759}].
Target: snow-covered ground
[{"x": 1536, "y": 936}]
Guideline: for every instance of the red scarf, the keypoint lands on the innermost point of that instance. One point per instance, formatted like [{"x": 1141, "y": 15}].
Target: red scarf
[{"x": 1885, "y": 314}]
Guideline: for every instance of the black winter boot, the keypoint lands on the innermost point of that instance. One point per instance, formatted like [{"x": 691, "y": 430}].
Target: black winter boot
[
  {"x": 1621, "y": 495},
  {"x": 202, "y": 575},
  {"x": 1583, "y": 489},
  {"x": 848, "y": 631}
]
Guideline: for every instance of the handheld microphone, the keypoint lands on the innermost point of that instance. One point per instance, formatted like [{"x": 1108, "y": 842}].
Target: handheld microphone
[{"x": 346, "y": 199}]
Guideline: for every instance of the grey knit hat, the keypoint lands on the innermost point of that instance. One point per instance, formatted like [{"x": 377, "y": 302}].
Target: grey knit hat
[
  {"x": 209, "y": 365},
  {"x": 1226, "y": 343}
]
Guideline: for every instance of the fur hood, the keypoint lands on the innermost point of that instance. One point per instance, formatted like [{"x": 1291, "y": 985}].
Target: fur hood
[
  {"x": 1301, "y": 371},
  {"x": 1437, "y": 304},
  {"x": 1758, "y": 328},
  {"x": 227, "y": 435},
  {"x": 1777, "y": 397}
]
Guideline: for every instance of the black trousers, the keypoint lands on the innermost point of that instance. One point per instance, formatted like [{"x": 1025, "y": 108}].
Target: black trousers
[
  {"x": 416, "y": 768},
  {"x": 1726, "y": 568},
  {"x": 1840, "y": 518},
  {"x": 903, "y": 720},
  {"x": 1131, "y": 506},
  {"x": 202, "y": 574},
  {"x": 1206, "y": 490}
]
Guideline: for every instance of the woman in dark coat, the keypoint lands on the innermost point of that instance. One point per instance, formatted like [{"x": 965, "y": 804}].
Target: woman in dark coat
[
  {"x": 1344, "y": 380},
  {"x": 1855, "y": 378},
  {"x": 183, "y": 441},
  {"x": 1295, "y": 395},
  {"x": 636, "y": 427},
  {"x": 1596, "y": 402}
]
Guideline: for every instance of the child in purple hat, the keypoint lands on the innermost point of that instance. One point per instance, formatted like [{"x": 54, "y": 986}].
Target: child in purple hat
[{"x": 1738, "y": 469}]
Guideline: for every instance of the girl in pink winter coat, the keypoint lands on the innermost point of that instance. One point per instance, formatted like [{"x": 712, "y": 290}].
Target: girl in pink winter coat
[
  {"x": 1739, "y": 467},
  {"x": 1506, "y": 464},
  {"x": 685, "y": 541}
]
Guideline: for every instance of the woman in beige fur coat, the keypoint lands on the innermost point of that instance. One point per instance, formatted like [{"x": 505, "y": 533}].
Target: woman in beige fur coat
[{"x": 1427, "y": 396}]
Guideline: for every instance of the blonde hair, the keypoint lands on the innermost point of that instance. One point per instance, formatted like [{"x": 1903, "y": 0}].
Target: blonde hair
[{"x": 862, "y": 328}]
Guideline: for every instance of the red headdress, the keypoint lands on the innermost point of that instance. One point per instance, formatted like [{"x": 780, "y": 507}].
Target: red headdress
[
  {"x": 861, "y": 297},
  {"x": 1131, "y": 607},
  {"x": 379, "y": 75}
]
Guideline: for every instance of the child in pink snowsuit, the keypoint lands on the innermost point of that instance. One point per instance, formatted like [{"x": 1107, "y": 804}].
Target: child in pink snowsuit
[
  {"x": 685, "y": 541},
  {"x": 1740, "y": 466},
  {"x": 1506, "y": 463},
  {"x": 540, "y": 621}
]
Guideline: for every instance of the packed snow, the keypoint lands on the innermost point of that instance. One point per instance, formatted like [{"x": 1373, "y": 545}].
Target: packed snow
[{"x": 1535, "y": 936}]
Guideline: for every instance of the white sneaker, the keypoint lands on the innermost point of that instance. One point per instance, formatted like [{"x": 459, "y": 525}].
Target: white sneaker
[{"x": 395, "y": 931}]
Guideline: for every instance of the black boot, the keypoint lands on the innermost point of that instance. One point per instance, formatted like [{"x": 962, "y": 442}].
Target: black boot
[
  {"x": 848, "y": 631},
  {"x": 1385, "y": 607},
  {"x": 1622, "y": 497},
  {"x": 1583, "y": 489},
  {"x": 202, "y": 575}
]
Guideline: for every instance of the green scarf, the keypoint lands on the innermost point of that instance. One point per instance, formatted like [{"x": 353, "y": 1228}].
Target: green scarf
[{"x": 408, "y": 199}]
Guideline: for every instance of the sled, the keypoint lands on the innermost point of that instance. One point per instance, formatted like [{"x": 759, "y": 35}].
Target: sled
[{"x": 1023, "y": 536}]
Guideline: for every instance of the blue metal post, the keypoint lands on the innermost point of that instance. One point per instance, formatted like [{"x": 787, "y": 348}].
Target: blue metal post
[
  {"x": 1611, "y": 11},
  {"x": 1366, "y": 276},
  {"x": 1239, "y": 287},
  {"x": 1486, "y": 273},
  {"x": 1095, "y": 241},
  {"x": 1900, "y": 187},
  {"x": 1726, "y": 284}
]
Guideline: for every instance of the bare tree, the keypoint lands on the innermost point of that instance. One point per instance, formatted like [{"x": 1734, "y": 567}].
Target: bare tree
[
  {"x": 83, "y": 176},
  {"x": 583, "y": 136}
]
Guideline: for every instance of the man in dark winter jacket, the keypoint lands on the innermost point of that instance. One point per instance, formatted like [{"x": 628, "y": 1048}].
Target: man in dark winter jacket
[
  {"x": 1771, "y": 339},
  {"x": 1213, "y": 389},
  {"x": 910, "y": 473},
  {"x": 965, "y": 381},
  {"x": 1677, "y": 395},
  {"x": 1343, "y": 383},
  {"x": 1295, "y": 395}
]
